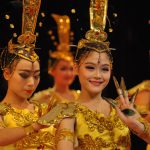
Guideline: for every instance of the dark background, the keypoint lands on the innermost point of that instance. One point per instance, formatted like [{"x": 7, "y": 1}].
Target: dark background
[{"x": 130, "y": 36}]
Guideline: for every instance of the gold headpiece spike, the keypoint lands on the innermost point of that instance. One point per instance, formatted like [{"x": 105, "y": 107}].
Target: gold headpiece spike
[
  {"x": 98, "y": 15},
  {"x": 63, "y": 24},
  {"x": 116, "y": 83},
  {"x": 30, "y": 14},
  {"x": 63, "y": 48},
  {"x": 26, "y": 41}
]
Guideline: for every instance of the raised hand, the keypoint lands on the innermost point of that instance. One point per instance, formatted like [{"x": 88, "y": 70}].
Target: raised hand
[
  {"x": 124, "y": 104},
  {"x": 127, "y": 112}
]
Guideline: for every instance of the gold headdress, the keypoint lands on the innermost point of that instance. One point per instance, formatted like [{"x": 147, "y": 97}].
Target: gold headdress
[
  {"x": 96, "y": 34},
  {"x": 26, "y": 41},
  {"x": 63, "y": 48}
]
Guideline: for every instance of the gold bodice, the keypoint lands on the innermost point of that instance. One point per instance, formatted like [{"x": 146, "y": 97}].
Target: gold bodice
[
  {"x": 17, "y": 118},
  {"x": 95, "y": 131}
]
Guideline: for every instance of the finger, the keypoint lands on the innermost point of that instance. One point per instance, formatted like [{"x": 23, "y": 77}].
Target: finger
[
  {"x": 119, "y": 91},
  {"x": 134, "y": 96},
  {"x": 124, "y": 90}
]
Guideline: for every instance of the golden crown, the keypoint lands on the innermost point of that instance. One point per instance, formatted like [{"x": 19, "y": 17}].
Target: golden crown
[
  {"x": 26, "y": 41},
  {"x": 63, "y": 30},
  {"x": 98, "y": 14}
]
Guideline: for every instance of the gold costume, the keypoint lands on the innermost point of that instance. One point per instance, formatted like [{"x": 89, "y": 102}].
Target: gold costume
[
  {"x": 43, "y": 139},
  {"x": 53, "y": 98},
  {"x": 13, "y": 117},
  {"x": 94, "y": 131}
]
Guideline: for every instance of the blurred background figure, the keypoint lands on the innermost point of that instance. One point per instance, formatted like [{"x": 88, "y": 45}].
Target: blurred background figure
[
  {"x": 142, "y": 104},
  {"x": 61, "y": 67}
]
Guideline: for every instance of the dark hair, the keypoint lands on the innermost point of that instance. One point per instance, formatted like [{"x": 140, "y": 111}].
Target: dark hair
[
  {"x": 7, "y": 59},
  {"x": 92, "y": 46}
]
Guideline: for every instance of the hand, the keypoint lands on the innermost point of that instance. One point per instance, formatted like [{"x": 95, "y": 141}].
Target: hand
[
  {"x": 125, "y": 108},
  {"x": 36, "y": 126},
  {"x": 124, "y": 104}
]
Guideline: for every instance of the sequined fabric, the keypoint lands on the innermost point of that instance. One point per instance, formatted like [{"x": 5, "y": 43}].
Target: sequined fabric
[
  {"x": 43, "y": 140},
  {"x": 95, "y": 131}
]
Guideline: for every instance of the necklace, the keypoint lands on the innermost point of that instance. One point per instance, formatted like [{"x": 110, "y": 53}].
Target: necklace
[{"x": 94, "y": 106}]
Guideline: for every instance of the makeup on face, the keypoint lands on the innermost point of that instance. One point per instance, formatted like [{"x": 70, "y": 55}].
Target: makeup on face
[
  {"x": 27, "y": 73},
  {"x": 94, "y": 72}
]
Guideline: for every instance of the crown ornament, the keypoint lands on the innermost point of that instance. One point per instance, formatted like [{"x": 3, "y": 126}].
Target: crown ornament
[
  {"x": 96, "y": 34},
  {"x": 25, "y": 45},
  {"x": 63, "y": 29}
]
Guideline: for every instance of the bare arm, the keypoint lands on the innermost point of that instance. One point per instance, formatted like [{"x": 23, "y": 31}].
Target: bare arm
[
  {"x": 65, "y": 135},
  {"x": 12, "y": 135}
]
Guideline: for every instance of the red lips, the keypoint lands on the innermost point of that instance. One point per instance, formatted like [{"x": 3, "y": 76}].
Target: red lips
[
  {"x": 95, "y": 83},
  {"x": 29, "y": 91}
]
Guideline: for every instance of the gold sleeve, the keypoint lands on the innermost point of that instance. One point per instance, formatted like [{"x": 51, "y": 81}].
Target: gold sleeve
[
  {"x": 57, "y": 113},
  {"x": 146, "y": 127}
]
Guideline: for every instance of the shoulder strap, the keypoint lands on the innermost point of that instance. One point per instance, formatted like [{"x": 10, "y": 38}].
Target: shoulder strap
[{"x": 59, "y": 112}]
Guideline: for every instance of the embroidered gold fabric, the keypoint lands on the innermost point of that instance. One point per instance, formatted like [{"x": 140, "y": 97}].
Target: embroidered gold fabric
[
  {"x": 61, "y": 106},
  {"x": 65, "y": 134},
  {"x": 3, "y": 109},
  {"x": 42, "y": 140},
  {"x": 95, "y": 131},
  {"x": 146, "y": 125},
  {"x": 16, "y": 118},
  {"x": 50, "y": 96},
  {"x": 60, "y": 111}
]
